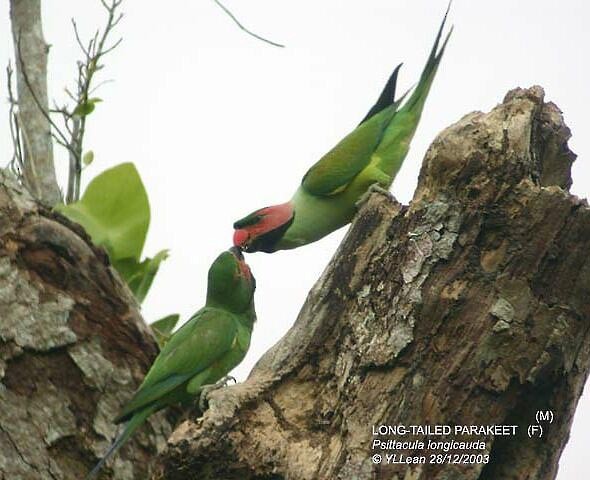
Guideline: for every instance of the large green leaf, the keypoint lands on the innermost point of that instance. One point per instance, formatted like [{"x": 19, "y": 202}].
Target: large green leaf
[
  {"x": 163, "y": 328},
  {"x": 115, "y": 211},
  {"x": 140, "y": 275}
]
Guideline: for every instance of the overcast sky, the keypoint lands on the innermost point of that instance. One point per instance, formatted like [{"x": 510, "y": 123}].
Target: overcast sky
[{"x": 220, "y": 124}]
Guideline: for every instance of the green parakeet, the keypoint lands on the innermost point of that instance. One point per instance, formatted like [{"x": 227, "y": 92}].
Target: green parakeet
[
  {"x": 372, "y": 154},
  {"x": 201, "y": 352}
]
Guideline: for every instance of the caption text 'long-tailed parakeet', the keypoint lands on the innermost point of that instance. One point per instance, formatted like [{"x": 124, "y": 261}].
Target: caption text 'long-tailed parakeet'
[
  {"x": 202, "y": 351},
  {"x": 372, "y": 154}
]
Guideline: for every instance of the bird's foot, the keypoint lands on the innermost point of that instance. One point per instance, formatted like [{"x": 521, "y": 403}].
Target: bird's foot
[
  {"x": 207, "y": 389},
  {"x": 373, "y": 188}
]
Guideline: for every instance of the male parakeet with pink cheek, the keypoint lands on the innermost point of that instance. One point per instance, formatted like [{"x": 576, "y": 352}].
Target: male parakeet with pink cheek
[
  {"x": 370, "y": 155},
  {"x": 201, "y": 352}
]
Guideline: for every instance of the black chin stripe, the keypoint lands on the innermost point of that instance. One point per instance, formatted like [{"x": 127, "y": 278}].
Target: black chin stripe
[{"x": 266, "y": 242}]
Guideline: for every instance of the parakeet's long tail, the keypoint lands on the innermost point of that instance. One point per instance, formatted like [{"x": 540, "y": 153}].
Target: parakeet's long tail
[
  {"x": 396, "y": 139},
  {"x": 125, "y": 434},
  {"x": 418, "y": 97}
]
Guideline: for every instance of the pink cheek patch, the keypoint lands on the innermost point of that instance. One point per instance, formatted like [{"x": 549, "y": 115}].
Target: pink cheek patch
[
  {"x": 240, "y": 237},
  {"x": 245, "y": 269}
]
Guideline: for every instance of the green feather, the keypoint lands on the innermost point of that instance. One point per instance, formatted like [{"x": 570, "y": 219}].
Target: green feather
[
  {"x": 335, "y": 170},
  {"x": 205, "y": 349},
  {"x": 371, "y": 154},
  {"x": 395, "y": 144},
  {"x": 206, "y": 338}
]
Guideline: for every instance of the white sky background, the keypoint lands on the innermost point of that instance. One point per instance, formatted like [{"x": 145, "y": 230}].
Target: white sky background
[{"x": 220, "y": 124}]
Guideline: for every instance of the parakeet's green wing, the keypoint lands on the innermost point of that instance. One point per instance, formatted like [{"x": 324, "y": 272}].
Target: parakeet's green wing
[
  {"x": 340, "y": 165},
  {"x": 207, "y": 337},
  {"x": 335, "y": 170}
]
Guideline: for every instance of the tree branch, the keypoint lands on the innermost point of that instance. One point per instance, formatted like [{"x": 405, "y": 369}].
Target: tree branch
[
  {"x": 228, "y": 12},
  {"x": 31, "y": 50}
]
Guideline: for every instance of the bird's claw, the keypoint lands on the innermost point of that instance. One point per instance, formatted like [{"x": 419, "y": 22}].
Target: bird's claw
[
  {"x": 207, "y": 389},
  {"x": 373, "y": 188}
]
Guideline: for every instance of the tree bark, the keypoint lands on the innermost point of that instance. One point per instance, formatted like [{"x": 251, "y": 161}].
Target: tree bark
[
  {"x": 73, "y": 349},
  {"x": 470, "y": 307},
  {"x": 33, "y": 104}
]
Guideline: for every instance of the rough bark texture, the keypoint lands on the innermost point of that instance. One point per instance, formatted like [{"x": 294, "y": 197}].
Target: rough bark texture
[
  {"x": 73, "y": 348},
  {"x": 39, "y": 173},
  {"x": 469, "y": 307}
]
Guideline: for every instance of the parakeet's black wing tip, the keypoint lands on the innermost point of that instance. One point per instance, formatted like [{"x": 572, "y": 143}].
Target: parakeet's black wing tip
[{"x": 387, "y": 96}]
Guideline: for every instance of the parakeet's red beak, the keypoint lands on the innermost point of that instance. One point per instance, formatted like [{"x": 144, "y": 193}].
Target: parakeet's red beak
[
  {"x": 244, "y": 268},
  {"x": 241, "y": 236}
]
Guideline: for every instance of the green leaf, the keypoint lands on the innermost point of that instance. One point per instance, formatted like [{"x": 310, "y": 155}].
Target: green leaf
[
  {"x": 115, "y": 212},
  {"x": 86, "y": 108},
  {"x": 163, "y": 328},
  {"x": 88, "y": 158},
  {"x": 140, "y": 275}
]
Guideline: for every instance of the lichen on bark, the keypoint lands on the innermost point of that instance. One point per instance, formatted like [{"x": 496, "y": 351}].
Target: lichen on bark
[
  {"x": 469, "y": 306},
  {"x": 73, "y": 348}
]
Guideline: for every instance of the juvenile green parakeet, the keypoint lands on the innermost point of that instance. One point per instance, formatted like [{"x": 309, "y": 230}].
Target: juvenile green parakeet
[
  {"x": 201, "y": 352},
  {"x": 372, "y": 154}
]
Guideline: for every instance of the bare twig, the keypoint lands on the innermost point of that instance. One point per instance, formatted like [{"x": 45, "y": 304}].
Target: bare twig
[
  {"x": 40, "y": 106},
  {"x": 241, "y": 27},
  {"x": 93, "y": 52},
  {"x": 70, "y": 94},
  {"x": 78, "y": 39},
  {"x": 100, "y": 84},
  {"x": 16, "y": 164},
  {"x": 66, "y": 116},
  {"x": 71, "y": 135},
  {"x": 75, "y": 158}
]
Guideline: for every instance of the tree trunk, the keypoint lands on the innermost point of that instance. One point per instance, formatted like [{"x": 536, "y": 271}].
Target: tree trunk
[
  {"x": 30, "y": 52},
  {"x": 470, "y": 307},
  {"x": 73, "y": 349}
]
